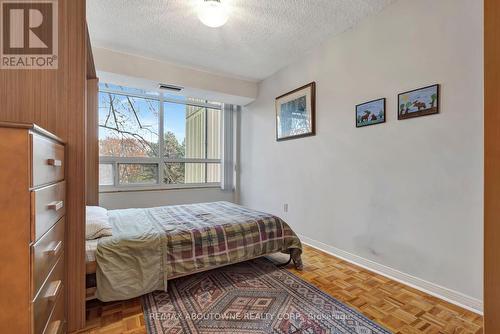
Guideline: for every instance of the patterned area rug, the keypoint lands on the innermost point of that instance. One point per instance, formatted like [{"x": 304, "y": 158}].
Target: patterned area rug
[{"x": 250, "y": 297}]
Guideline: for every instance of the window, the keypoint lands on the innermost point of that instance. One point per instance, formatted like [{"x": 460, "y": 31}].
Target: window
[{"x": 155, "y": 140}]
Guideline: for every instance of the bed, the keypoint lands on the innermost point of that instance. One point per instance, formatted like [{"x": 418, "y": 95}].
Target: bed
[{"x": 151, "y": 246}]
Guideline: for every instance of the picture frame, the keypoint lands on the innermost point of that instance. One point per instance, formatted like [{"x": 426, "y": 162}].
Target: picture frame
[
  {"x": 296, "y": 113},
  {"x": 371, "y": 113},
  {"x": 419, "y": 102}
]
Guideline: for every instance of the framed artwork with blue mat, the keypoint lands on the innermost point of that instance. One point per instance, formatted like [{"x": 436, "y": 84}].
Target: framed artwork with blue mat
[
  {"x": 295, "y": 113},
  {"x": 370, "y": 113}
]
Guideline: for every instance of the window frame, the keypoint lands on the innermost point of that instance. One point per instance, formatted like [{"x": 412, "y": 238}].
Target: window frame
[{"x": 160, "y": 161}]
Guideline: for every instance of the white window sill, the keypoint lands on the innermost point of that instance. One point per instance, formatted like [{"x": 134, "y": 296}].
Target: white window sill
[{"x": 134, "y": 188}]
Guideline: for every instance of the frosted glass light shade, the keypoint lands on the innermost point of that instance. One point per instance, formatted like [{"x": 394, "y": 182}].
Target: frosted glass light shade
[{"x": 213, "y": 13}]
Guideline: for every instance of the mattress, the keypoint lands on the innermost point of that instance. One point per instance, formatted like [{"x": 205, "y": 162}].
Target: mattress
[
  {"x": 151, "y": 246},
  {"x": 90, "y": 252}
]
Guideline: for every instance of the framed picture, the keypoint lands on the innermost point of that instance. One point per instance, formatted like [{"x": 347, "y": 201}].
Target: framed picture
[
  {"x": 419, "y": 102},
  {"x": 295, "y": 113},
  {"x": 370, "y": 113}
]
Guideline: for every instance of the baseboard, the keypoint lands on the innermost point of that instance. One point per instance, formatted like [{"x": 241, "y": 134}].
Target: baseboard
[{"x": 454, "y": 297}]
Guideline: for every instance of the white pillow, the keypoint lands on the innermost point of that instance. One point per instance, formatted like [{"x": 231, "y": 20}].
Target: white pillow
[
  {"x": 96, "y": 211},
  {"x": 97, "y": 224}
]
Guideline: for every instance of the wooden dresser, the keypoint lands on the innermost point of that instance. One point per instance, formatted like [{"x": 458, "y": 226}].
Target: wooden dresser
[{"x": 32, "y": 209}]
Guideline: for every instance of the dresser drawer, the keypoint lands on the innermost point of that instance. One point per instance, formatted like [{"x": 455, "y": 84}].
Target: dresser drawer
[
  {"x": 46, "y": 299},
  {"x": 47, "y": 158},
  {"x": 45, "y": 252},
  {"x": 49, "y": 206},
  {"x": 57, "y": 320}
]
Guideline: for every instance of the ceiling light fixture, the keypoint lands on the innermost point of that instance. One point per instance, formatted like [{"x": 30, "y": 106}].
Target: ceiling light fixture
[{"x": 213, "y": 13}]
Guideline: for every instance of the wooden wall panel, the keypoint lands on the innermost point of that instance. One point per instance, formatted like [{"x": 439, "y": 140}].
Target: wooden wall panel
[
  {"x": 55, "y": 100},
  {"x": 492, "y": 167},
  {"x": 92, "y": 142}
]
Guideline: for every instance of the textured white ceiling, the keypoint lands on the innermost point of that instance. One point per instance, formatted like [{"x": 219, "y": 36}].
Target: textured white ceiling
[{"x": 261, "y": 36}]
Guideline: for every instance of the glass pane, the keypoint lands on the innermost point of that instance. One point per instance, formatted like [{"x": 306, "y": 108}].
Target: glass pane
[
  {"x": 195, "y": 173},
  {"x": 215, "y": 103},
  {"x": 191, "y": 132},
  {"x": 126, "y": 90},
  {"x": 106, "y": 175},
  {"x": 176, "y": 97},
  {"x": 195, "y": 100},
  {"x": 138, "y": 173},
  {"x": 128, "y": 126},
  {"x": 213, "y": 133},
  {"x": 175, "y": 130},
  {"x": 174, "y": 173},
  {"x": 213, "y": 173},
  {"x": 181, "y": 173},
  {"x": 186, "y": 173},
  {"x": 195, "y": 132}
]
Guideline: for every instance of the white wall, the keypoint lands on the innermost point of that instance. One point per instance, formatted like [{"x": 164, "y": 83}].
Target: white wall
[
  {"x": 146, "y": 199},
  {"x": 405, "y": 194}
]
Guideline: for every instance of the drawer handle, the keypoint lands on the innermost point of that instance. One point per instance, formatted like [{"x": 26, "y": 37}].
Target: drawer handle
[
  {"x": 55, "y": 250},
  {"x": 55, "y": 327},
  {"x": 54, "y": 162},
  {"x": 56, "y": 206},
  {"x": 53, "y": 291}
]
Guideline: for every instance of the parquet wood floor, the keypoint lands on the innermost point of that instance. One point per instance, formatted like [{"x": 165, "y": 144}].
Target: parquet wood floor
[{"x": 400, "y": 308}]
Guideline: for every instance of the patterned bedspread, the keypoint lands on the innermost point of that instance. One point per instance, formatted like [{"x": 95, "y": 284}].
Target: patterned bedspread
[{"x": 151, "y": 246}]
